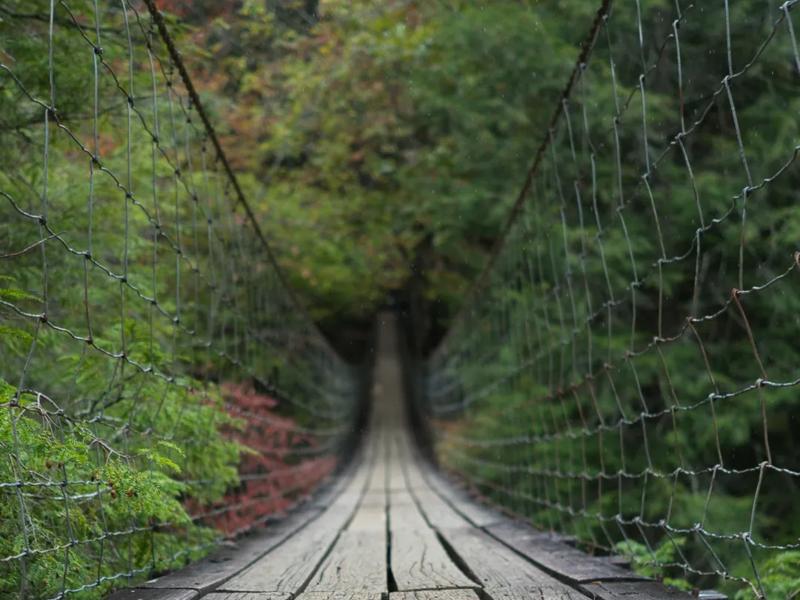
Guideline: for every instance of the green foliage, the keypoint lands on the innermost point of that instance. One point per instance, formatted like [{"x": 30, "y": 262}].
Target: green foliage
[
  {"x": 647, "y": 562},
  {"x": 133, "y": 288},
  {"x": 378, "y": 140},
  {"x": 575, "y": 389},
  {"x": 109, "y": 491},
  {"x": 780, "y": 577}
]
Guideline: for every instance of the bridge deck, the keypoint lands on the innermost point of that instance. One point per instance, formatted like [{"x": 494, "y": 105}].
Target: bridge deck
[{"x": 393, "y": 528}]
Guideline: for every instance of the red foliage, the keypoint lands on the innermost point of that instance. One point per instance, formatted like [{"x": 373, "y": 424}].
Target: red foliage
[{"x": 280, "y": 472}]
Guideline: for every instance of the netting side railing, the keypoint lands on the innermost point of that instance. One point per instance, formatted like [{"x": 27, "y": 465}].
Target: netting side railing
[
  {"x": 627, "y": 369},
  {"x": 159, "y": 385}
]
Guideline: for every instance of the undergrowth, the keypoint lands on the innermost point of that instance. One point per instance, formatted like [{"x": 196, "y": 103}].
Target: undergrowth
[{"x": 97, "y": 502}]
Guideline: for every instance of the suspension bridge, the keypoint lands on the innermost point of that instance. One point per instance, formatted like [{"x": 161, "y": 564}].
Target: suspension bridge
[
  {"x": 392, "y": 525},
  {"x": 174, "y": 425}
]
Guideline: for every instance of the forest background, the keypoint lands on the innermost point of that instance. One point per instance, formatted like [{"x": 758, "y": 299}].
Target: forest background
[{"x": 382, "y": 145}]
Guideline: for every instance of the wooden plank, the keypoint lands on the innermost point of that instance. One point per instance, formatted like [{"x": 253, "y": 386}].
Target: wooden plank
[
  {"x": 377, "y": 450},
  {"x": 418, "y": 559},
  {"x": 246, "y": 596},
  {"x": 369, "y": 518},
  {"x": 288, "y": 569},
  {"x": 233, "y": 557},
  {"x": 374, "y": 498},
  {"x": 339, "y": 595},
  {"x": 632, "y": 590},
  {"x": 377, "y": 483},
  {"x": 351, "y": 496},
  {"x": 153, "y": 594},
  {"x": 501, "y": 572},
  {"x": 396, "y": 480},
  {"x": 477, "y": 514},
  {"x": 554, "y": 556},
  {"x": 711, "y": 595},
  {"x": 435, "y": 510},
  {"x": 623, "y": 562},
  {"x": 435, "y": 595},
  {"x": 357, "y": 563},
  {"x": 371, "y": 513},
  {"x": 225, "y": 562},
  {"x": 292, "y": 564},
  {"x": 331, "y": 491}
]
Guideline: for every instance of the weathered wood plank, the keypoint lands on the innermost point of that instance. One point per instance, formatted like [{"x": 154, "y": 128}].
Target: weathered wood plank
[
  {"x": 553, "y": 555},
  {"x": 632, "y": 590},
  {"x": 396, "y": 480},
  {"x": 566, "y": 561},
  {"x": 288, "y": 569},
  {"x": 357, "y": 563},
  {"x": 370, "y": 518},
  {"x": 435, "y": 595},
  {"x": 436, "y": 511},
  {"x": 292, "y": 564},
  {"x": 475, "y": 513},
  {"x": 224, "y": 563},
  {"x": 153, "y": 594},
  {"x": 500, "y": 571},
  {"x": 233, "y": 557},
  {"x": 711, "y": 595},
  {"x": 246, "y": 596},
  {"x": 339, "y": 595},
  {"x": 340, "y": 485},
  {"x": 377, "y": 483},
  {"x": 418, "y": 559},
  {"x": 371, "y": 513}
]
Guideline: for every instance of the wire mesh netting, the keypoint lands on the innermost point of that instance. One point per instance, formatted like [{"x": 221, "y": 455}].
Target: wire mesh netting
[
  {"x": 159, "y": 386},
  {"x": 627, "y": 369}
]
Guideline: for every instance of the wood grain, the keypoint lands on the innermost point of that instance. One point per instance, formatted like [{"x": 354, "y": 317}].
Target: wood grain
[
  {"x": 368, "y": 518},
  {"x": 288, "y": 569},
  {"x": 396, "y": 480},
  {"x": 246, "y": 596},
  {"x": 435, "y": 595},
  {"x": 357, "y": 563},
  {"x": 339, "y": 595},
  {"x": 475, "y": 513},
  {"x": 501, "y": 572},
  {"x": 434, "y": 508},
  {"x": 226, "y": 562},
  {"x": 418, "y": 559},
  {"x": 293, "y": 563},
  {"x": 153, "y": 594}
]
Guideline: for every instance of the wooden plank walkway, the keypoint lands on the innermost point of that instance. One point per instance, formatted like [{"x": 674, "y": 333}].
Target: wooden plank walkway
[{"x": 393, "y": 529}]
